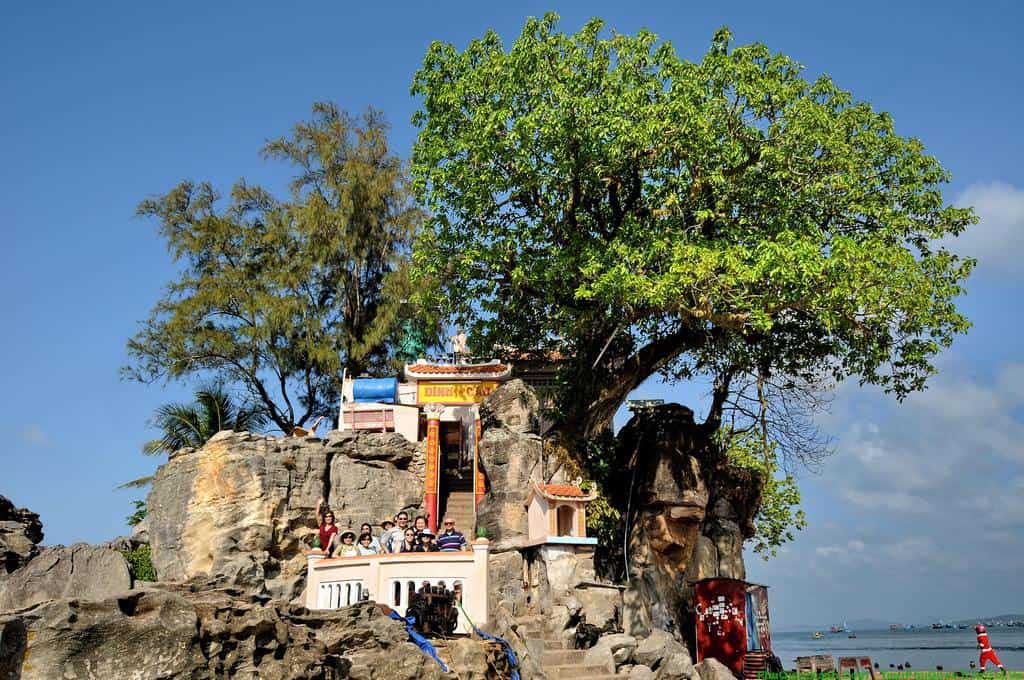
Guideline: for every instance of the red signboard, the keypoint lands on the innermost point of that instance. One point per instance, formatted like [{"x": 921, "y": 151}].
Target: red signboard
[{"x": 721, "y": 622}]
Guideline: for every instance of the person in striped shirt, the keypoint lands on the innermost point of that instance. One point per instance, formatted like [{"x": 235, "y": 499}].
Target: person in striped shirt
[
  {"x": 987, "y": 653},
  {"x": 450, "y": 540}
]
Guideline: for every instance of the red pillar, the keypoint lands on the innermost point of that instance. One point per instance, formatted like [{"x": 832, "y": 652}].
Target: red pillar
[
  {"x": 479, "y": 485},
  {"x": 431, "y": 481}
]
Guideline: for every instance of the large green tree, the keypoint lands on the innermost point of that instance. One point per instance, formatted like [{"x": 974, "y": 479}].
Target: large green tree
[
  {"x": 640, "y": 213},
  {"x": 277, "y": 297}
]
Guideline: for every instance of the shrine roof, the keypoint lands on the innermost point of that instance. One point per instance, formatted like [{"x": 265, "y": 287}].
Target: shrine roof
[
  {"x": 562, "y": 492},
  {"x": 493, "y": 369}
]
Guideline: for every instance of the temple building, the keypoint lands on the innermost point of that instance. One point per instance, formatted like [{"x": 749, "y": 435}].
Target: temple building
[{"x": 437, "y": 403}]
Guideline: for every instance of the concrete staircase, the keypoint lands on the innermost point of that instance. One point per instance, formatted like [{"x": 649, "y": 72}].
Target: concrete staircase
[
  {"x": 460, "y": 504},
  {"x": 557, "y": 659}
]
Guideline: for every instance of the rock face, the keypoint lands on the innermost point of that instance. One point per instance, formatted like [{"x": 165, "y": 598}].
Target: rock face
[
  {"x": 81, "y": 571},
  {"x": 243, "y": 505},
  {"x": 20, "y": 532},
  {"x": 692, "y": 513},
  {"x": 510, "y": 453},
  {"x": 206, "y": 632}
]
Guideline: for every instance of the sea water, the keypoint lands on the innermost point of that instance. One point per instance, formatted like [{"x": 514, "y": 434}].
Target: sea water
[{"x": 924, "y": 648}]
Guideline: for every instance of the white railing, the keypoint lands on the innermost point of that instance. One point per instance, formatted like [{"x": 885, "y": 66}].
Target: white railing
[{"x": 391, "y": 578}]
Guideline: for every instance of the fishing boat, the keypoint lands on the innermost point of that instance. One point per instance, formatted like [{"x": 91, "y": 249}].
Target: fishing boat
[
  {"x": 894, "y": 627},
  {"x": 817, "y": 635},
  {"x": 835, "y": 629}
]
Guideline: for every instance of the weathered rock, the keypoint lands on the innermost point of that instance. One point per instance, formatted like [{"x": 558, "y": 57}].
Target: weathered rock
[
  {"x": 505, "y": 582},
  {"x": 140, "y": 635},
  {"x": 510, "y": 451},
  {"x": 600, "y": 606},
  {"x": 469, "y": 659},
  {"x": 712, "y": 669},
  {"x": 688, "y": 498},
  {"x": 600, "y": 656},
  {"x": 371, "y": 491},
  {"x": 243, "y": 505},
  {"x": 640, "y": 672},
  {"x": 504, "y": 626},
  {"x": 676, "y": 666},
  {"x": 704, "y": 560},
  {"x": 656, "y": 647},
  {"x": 390, "y": 447},
  {"x": 140, "y": 532},
  {"x": 20, "y": 533},
  {"x": 80, "y": 571},
  {"x": 618, "y": 645},
  {"x": 513, "y": 407}
]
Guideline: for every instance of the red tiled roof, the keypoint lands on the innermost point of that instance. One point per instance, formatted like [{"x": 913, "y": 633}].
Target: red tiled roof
[
  {"x": 469, "y": 369},
  {"x": 564, "y": 490}
]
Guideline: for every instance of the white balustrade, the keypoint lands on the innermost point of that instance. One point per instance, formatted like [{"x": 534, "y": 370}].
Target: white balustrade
[{"x": 391, "y": 578}]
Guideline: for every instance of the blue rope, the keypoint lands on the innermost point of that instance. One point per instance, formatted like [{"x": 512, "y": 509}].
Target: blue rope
[{"x": 421, "y": 641}]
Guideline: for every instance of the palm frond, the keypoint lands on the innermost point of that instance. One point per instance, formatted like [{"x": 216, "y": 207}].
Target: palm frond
[{"x": 138, "y": 483}]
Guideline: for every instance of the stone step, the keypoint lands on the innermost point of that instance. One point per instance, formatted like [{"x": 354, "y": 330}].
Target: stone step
[
  {"x": 562, "y": 657},
  {"x": 577, "y": 671}
]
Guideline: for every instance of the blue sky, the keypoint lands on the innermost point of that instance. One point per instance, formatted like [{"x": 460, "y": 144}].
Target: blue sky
[{"x": 918, "y": 515}]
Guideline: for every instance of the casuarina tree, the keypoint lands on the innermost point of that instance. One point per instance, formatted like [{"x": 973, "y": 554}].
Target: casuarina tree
[
  {"x": 277, "y": 297},
  {"x": 595, "y": 197}
]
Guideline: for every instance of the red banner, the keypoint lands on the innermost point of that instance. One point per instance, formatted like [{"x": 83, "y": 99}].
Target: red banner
[{"x": 721, "y": 622}]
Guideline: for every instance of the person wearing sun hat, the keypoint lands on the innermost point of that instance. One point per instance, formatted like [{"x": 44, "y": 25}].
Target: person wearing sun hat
[
  {"x": 348, "y": 545},
  {"x": 427, "y": 541}
]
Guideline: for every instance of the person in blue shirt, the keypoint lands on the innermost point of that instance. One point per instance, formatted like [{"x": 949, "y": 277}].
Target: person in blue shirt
[{"x": 451, "y": 539}]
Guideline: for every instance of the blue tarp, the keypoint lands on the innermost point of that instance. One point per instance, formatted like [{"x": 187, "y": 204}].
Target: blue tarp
[
  {"x": 370, "y": 390},
  {"x": 421, "y": 641}
]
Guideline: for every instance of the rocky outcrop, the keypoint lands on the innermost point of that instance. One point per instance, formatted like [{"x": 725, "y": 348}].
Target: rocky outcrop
[
  {"x": 690, "y": 512},
  {"x": 20, "y": 533},
  {"x": 80, "y": 571},
  {"x": 202, "y": 631},
  {"x": 243, "y": 505},
  {"x": 510, "y": 453}
]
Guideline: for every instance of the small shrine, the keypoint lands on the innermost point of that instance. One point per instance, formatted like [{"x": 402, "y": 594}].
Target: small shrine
[{"x": 557, "y": 513}]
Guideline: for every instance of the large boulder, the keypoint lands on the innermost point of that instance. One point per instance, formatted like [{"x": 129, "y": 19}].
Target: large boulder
[
  {"x": 141, "y": 635},
  {"x": 371, "y": 491},
  {"x": 616, "y": 646},
  {"x": 510, "y": 455},
  {"x": 244, "y": 505},
  {"x": 198, "y": 630},
  {"x": 20, "y": 533},
  {"x": 713, "y": 669},
  {"x": 656, "y": 647},
  {"x": 677, "y": 666},
  {"x": 81, "y": 571}
]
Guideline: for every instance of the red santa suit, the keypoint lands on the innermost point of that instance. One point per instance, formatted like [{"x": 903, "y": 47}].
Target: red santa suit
[{"x": 987, "y": 653}]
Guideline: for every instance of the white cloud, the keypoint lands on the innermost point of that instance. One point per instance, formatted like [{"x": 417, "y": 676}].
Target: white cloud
[
  {"x": 34, "y": 435},
  {"x": 997, "y": 241}
]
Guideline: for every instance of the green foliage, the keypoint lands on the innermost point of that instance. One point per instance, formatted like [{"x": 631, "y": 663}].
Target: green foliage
[
  {"x": 192, "y": 425},
  {"x": 140, "y": 563},
  {"x": 481, "y": 532},
  {"x": 779, "y": 513},
  {"x": 139, "y": 514},
  {"x": 598, "y": 196},
  {"x": 276, "y": 297}
]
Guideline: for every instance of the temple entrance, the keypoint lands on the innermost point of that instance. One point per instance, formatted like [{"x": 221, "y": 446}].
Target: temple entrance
[{"x": 455, "y": 497}]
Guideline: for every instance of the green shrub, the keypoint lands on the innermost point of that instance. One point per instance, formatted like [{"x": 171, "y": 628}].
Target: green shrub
[{"x": 140, "y": 563}]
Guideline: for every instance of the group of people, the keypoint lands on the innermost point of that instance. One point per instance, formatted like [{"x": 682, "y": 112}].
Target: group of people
[{"x": 396, "y": 536}]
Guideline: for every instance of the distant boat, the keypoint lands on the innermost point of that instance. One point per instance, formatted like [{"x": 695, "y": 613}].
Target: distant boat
[
  {"x": 894, "y": 627},
  {"x": 835, "y": 629},
  {"x": 817, "y": 635}
]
